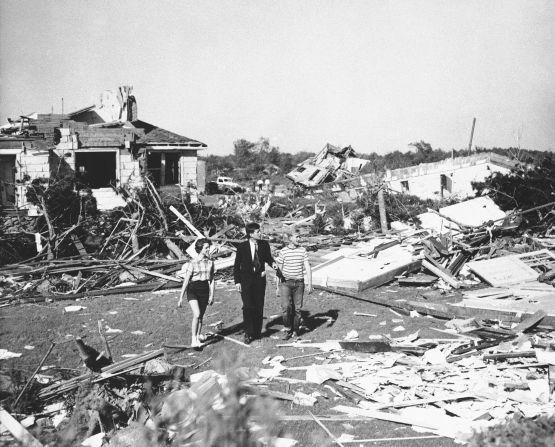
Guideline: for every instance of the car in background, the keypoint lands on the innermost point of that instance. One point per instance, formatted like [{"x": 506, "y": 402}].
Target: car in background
[{"x": 224, "y": 185}]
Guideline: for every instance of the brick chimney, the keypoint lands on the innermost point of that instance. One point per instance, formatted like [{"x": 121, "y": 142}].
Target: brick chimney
[{"x": 132, "y": 114}]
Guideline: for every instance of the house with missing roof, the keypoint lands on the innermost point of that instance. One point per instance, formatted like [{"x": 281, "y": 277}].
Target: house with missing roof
[
  {"x": 452, "y": 177},
  {"x": 105, "y": 145},
  {"x": 332, "y": 163}
]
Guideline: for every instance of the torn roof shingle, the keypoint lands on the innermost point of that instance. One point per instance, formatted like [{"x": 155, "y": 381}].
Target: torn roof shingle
[{"x": 157, "y": 135}]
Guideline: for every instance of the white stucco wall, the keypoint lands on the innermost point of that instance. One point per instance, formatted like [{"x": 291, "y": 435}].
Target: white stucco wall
[
  {"x": 424, "y": 181},
  {"x": 188, "y": 167}
]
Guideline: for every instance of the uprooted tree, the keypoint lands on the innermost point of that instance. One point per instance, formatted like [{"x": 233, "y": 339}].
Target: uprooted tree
[{"x": 62, "y": 207}]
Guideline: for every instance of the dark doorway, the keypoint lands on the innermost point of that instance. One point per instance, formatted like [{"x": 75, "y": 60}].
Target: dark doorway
[
  {"x": 7, "y": 180},
  {"x": 163, "y": 168},
  {"x": 96, "y": 169},
  {"x": 172, "y": 168}
]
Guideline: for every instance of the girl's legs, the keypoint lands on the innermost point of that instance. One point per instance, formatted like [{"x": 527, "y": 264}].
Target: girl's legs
[
  {"x": 195, "y": 326},
  {"x": 202, "y": 309}
]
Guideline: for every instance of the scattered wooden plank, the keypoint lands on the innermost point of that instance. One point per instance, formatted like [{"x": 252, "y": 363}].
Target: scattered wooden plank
[
  {"x": 225, "y": 337},
  {"x": 158, "y": 275},
  {"x": 432, "y": 423},
  {"x": 417, "y": 280},
  {"x": 362, "y": 314},
  {"x": 271, "y": 393},
  {"x": 17, "y": 430},
  {"x": 530, "y": 321},
  {"x": 509, "y": 355},
  {"x": 188, "y": 224},
  {"x": 34, "y": 373},
  {"x": 325, "y": 429},
  {"x": 78, "y": 245},
  {"x": 415, "y": 402},
  {"x": 106, "y": 373},
  {"x": 447, "y": 277}
]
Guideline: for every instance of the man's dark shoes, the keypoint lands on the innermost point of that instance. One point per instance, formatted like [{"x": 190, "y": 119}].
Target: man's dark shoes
[
  {"x": 287, "y": 335},
  {"x": 247, "y": 340}
]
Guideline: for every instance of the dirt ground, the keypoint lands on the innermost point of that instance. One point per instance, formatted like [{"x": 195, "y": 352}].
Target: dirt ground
[{"x": 149, "y": 320}]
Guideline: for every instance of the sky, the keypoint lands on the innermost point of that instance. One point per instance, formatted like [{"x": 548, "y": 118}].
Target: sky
[{"x": 373, "y": 74}]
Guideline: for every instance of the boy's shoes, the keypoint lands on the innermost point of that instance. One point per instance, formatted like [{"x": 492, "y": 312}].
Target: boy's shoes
[{"x": 247, "y": 340}]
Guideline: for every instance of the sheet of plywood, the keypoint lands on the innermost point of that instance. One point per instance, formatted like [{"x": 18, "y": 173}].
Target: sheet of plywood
[
  {"x": 503, "y": 271},
  {"x": 359, "y": 273},
  {"x": 474, "y": 212}
]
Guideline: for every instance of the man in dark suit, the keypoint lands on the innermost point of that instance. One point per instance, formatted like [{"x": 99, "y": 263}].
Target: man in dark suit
[{"x": 250, "y": 279}]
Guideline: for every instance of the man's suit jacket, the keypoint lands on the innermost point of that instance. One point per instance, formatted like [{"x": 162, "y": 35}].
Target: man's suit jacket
[{"x": 243, "y": 269}]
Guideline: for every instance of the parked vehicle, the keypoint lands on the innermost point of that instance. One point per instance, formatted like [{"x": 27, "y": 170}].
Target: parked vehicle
[{"x": 224, "y": 185}]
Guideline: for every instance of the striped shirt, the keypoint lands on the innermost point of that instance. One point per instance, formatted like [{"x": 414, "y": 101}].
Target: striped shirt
[
  {"x": 291, "y": 262},
  {"x": 200, "y": 270}
]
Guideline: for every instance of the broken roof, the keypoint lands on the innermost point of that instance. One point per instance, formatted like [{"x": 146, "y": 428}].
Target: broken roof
[{"x": 156, "y": 135}]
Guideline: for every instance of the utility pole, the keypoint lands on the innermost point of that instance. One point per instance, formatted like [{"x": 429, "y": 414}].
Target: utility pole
[{"x": 471, "y": 135}]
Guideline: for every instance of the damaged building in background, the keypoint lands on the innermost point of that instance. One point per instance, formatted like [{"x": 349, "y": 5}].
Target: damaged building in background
[
  {"x": 332, "y": 163},
  {"x": 105, "y": 145},
  {"x": 452, "y": 177}
]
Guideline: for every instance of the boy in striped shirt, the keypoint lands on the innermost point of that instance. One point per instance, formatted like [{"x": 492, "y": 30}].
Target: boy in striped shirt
[{"x": 292, "y": 260}]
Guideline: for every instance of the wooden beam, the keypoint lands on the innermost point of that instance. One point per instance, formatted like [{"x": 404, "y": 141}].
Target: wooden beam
[
  {"x": 529, "y": 322},
  {"x": 188, "y": 224},
  {"x": 447, "y": 277},
  {"x": 17, "y": 430}
]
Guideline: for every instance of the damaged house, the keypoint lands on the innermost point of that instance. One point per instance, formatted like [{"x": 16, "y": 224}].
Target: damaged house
[
  {"x": 330, "y": 164},
  {"x": 105, "y": 145},
  {"x": 452, "y": 177}
]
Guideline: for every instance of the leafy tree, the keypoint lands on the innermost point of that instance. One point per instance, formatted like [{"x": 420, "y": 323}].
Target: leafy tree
[{"x": 524, "y": 187}]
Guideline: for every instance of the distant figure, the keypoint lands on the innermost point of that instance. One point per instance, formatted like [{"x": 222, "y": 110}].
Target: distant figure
[
  {"x": 250, "y": 279},
  {"x": 292, "y": 262},
  {"x": 198, "y": 281},
  {"x": 259, "y": 183},
  {"x": 267, "y": 185}
]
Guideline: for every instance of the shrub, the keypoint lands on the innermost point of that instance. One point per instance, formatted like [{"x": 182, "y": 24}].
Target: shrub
[{"x": 518, "y": 432}]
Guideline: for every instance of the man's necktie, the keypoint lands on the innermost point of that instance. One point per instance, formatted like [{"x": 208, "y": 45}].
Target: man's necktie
[{"x": 255, "y": 260}]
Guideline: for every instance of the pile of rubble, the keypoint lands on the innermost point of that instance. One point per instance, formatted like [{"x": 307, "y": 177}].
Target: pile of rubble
[{"x": 496, "y": 360}]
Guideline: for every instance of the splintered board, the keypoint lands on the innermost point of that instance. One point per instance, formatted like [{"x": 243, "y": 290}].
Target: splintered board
[
  {"x": 545, "y": 302},
  {"x": 360, "y": 273},
  {"x": 513, "y": 269}
]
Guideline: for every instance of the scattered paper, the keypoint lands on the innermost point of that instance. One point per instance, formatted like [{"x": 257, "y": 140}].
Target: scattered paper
[
  {"x": 94, "y": 440},
  {"x": 73, "y": 308},
  {"x": 28, "y": 347},
  {"x": 284, "y": 442},
  {"x": 303, "y": 399},
  {"x": 5, "y": 354},
  {"x": 43, "y": 379},
  {"x": 398, "y": 329},
  {"x": 351, "y": 335},
  {"x": 321, "y": 373},
  {"x": 345, "y": 437},
  {"x": 545, "y": 356},
  {"x": 134, "y": 332}
]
